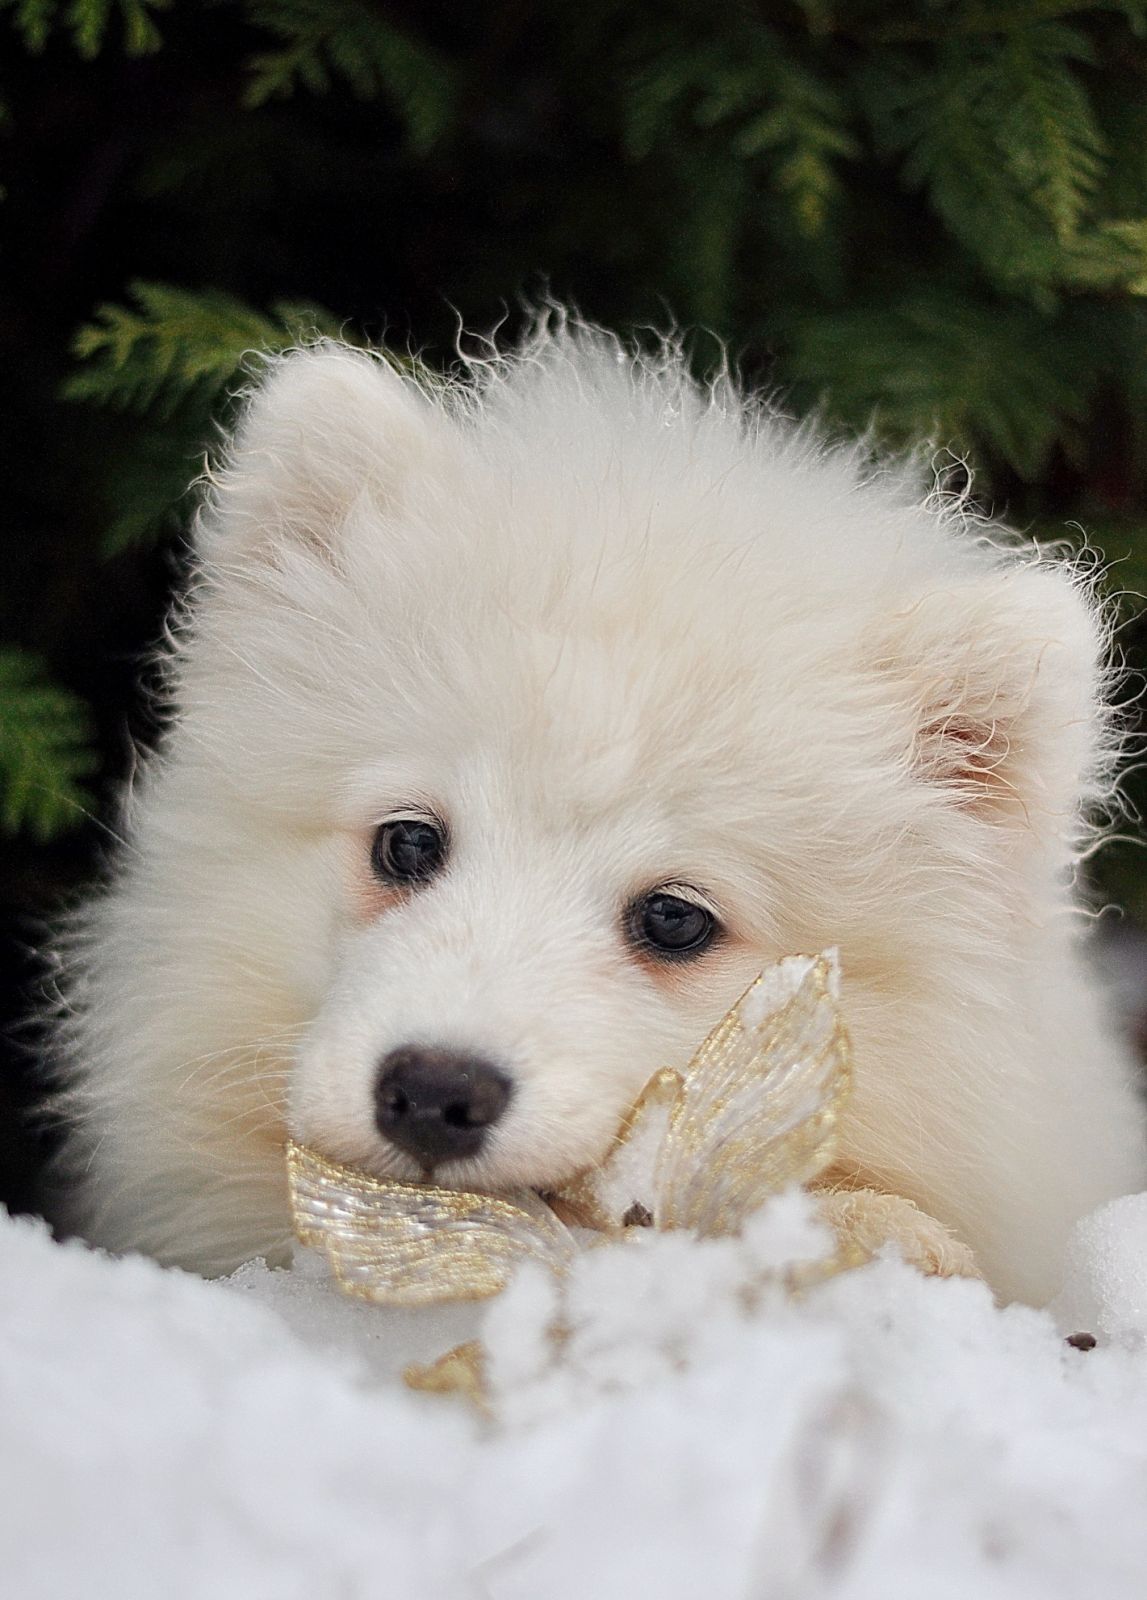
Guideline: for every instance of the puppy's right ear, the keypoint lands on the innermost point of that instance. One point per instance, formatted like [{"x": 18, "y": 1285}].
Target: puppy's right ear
[{"x": 326, "y": 428}]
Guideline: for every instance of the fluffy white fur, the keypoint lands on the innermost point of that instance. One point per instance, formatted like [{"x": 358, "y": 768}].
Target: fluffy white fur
[{"x": 619, "y": 631}]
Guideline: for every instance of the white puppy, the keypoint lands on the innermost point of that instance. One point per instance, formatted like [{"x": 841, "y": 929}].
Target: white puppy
[{"x": 513, "y": 727}]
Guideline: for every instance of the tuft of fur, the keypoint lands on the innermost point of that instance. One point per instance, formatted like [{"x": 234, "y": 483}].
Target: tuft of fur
[
  {"x": 619, "y": 630},
  {"x": 866, "y": 1222}
]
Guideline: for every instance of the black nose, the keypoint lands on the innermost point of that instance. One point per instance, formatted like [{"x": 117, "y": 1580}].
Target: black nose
[{"x": 437, "y": 1104}]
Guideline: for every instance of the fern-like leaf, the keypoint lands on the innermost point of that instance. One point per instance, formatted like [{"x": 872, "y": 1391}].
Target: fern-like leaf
[
  {"x": 44, "y": 749},
  {"x": 973, "y": 375},
  {"x": 321, "y": 40},
  {"x": 1047, "y": 133},
  {"x": 774, "y": 109},
  {"x": 88, "y": 22},
  {"x": 149, "y": 489},
  {"x": 1002, "y": 134},
  {"x": 174, "y": 344}
]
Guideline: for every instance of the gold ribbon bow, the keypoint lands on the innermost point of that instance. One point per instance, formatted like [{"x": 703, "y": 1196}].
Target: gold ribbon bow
[{"x": 755, "y": 1111}]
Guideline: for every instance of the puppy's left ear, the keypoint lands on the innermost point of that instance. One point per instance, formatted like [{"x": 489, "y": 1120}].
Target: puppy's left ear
[
  {"x": 325, "y": 429},
  {"x": 1000, "y": 680}
]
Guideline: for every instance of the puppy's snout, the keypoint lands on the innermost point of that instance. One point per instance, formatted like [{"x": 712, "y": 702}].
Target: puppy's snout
[{"x": 437, "y": 1104}]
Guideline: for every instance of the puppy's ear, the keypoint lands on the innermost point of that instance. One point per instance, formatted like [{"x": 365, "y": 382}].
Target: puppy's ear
[
  {"x": 327, "y": 428},
  {"x": 1001, "y": 680}
]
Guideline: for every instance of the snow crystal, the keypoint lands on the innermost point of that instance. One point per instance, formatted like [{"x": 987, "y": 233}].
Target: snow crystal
[{"x": 665, "y": 1423}]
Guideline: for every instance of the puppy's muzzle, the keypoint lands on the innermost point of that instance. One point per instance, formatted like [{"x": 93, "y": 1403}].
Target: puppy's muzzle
[{"x": 438, "y": 1105}]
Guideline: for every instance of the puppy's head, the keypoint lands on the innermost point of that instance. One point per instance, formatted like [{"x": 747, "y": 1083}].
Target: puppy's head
[{"x": 563, "y": 703}]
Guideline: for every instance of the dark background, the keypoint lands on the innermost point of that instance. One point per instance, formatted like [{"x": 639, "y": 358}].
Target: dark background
[{"x": 930, "y": 217}]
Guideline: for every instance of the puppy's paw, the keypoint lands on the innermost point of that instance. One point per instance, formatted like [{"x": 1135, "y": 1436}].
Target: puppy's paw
[{"x": 866, "y": 1220}]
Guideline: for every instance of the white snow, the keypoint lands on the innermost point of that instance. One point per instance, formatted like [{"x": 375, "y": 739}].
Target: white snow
[
  {"x": 1106, "y": 1271},
  {"x": 695, "y": 1436}
]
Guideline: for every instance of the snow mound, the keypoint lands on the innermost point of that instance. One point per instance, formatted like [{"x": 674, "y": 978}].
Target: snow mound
[
  {"x": 882, "y": 1436},
  {"x": 1105, "y": 1288}
]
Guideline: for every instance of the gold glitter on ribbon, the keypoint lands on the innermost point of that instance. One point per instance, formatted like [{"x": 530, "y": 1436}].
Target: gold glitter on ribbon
[
  {"x": 759, "y": 1105},
  {"x": 755, "y": 1111},
  {"x": 411, "y": 1244}
]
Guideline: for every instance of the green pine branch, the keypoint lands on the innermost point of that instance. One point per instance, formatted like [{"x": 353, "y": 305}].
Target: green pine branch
[
  {"x": 170, "y": 357},
  {"x": 44, "y": 749},
  {"x": 324, "y": 40},
  {"x": 88, "y": 22},
  {"x": 994, "y": 378},
  {"x": 176, "y": 344},
  {"x": 1047, "y": 133},
  {"x": 771, "y": 107},
  {"x": 148, "y": 490},
  {"x": 1003, "y": 136}
]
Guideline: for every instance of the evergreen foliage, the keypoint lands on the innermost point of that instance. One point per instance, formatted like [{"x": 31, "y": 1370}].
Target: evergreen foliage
[
  {"x": 924, "y": 358},
  {"x": 174, "y": 346},
  {"x": 88, "y": 23},
  {"x": 928, "y": 216},
  {"x": 44, "y": 749},
  {"x": 765, "y": 101},
  {"x": 323, "y": 41},
  {"x": 174, "y": 357}
]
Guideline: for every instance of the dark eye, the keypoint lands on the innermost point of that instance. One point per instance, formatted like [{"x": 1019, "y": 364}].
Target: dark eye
[
  {"x": 408, "y": 851},
  {"x": 671, "y": 927}
]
